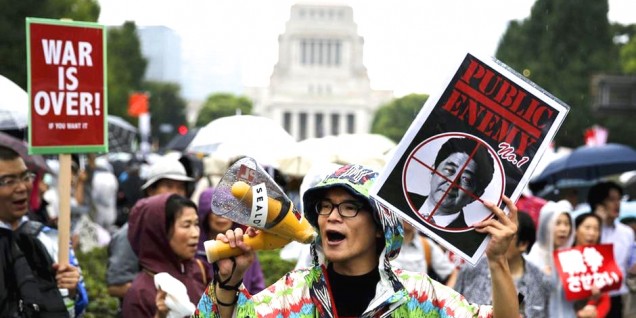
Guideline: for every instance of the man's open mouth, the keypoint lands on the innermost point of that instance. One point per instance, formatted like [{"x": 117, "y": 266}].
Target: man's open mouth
[{"x": 335, "y": 236}]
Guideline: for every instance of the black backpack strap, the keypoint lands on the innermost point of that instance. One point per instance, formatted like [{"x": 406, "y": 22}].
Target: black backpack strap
[
  {"x": 32, "y": 228},
  {"x": 34, "y": 274},
  {"x": 8, "y": 294}
]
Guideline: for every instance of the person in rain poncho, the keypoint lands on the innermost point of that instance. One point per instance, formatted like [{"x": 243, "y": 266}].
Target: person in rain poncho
[{"x": 359, "y": 237}]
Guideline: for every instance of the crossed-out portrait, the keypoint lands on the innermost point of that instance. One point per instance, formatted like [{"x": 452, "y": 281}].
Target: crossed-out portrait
[{"x": 448, "y": 176}]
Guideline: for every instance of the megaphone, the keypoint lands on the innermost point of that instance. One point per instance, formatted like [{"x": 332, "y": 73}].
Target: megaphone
[{"x": 249, "y": 196}]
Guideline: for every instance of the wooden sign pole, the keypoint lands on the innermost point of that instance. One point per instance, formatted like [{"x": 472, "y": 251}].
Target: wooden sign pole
[{"x": 64, "y": 217}]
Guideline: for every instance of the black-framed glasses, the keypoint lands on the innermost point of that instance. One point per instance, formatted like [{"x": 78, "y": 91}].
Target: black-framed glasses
[
  {"x": 346, "y": 209},
  {"x": 12, "y": 180}
]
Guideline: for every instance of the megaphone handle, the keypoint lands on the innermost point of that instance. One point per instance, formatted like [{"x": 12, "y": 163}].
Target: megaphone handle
[
  {"x": 216, "y": 250},
  {"x": 284, "y": 209}
]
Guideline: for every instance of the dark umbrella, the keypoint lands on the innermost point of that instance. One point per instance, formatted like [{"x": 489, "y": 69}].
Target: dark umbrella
[
  {"x": 588, "y": 163},
  {"x": 121, "y": 135},
  {"x": 181, "y": 142},
  {"x": 35, "y": 163}
]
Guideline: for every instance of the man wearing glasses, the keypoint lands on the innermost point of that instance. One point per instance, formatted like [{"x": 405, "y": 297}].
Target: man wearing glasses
[
  {"x": 38, "y": 245},
  {"x": 358, "y": 237}
]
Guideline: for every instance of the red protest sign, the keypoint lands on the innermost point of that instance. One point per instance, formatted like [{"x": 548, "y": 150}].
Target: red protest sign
[
  {"x": 582, "y": 267},
  {"x": 67, "y": 94}
]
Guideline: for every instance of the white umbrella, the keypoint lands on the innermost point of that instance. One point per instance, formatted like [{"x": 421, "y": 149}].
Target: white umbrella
[
  {"x": 366, "y": 149},
  {"x": 242, "y": 135},
  {"x": 14, "y": 105},
  {"x": 299, "y": 159}
]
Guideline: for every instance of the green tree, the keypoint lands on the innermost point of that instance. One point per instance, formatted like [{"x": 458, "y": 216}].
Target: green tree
[
  {"x": 13, "y": 28},
  {"x": 167, "y": 107},
  {"x": 394, "y": 118},
  {"x": 560, "y": 47},
  {"x": 126, "y": 68},
  {"x": 222, "y": 105},
  {"x": 628, "y": 57}
]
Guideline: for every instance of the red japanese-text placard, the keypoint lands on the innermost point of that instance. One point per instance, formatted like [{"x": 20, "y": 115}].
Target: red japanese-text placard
[
  {"x": 582, "y": 267},
  {"x": 67, "y": 86}
]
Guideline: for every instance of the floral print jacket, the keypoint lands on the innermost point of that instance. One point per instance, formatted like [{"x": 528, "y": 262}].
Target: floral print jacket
[{"x": 306, "y": 293}]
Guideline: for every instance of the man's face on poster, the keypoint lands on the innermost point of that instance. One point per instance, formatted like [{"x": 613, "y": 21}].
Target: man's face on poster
[{"x": 447, "y": 172}]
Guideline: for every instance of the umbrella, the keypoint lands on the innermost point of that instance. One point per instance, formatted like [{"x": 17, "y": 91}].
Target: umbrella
[
  {"x": 35, "y": 163},
  {"x": 366, "y": 149},
  {"x": 298, "y": 159},
  {"x": 14, "y": 105},
  {"x": 232, "y": 137},
  {"x": 121, "y": 135},
  {"x": 589, "y": 163},
  {"x": 181, "y": 142}
]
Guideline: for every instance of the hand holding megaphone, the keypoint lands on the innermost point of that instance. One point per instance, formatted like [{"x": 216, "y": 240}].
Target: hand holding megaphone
[{"x": 248, "y": 196}]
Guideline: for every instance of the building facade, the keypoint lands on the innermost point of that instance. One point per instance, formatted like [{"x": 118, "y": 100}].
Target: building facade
[
  {"x": 161, "y": 46},
  {"x": 319, "y": 86}
]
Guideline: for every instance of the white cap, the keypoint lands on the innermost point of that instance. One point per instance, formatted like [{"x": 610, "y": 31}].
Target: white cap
[{"x": 166, "y": 168}]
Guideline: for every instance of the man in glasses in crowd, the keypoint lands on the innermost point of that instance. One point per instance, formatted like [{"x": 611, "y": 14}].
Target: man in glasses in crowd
[{"x": 29, "y": 253}]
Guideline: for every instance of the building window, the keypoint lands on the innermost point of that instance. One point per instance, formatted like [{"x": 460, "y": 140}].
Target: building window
[
  {"x": 351, "y": 123},
  {"x": 335, "y": 124},
  {"x": 320, "y": 52},
  {"x": 303, "y": 126},
  {"x": 320, "y": 132},
  {"x": 287, "y": 122},
  {"x": 312, "y": 52},
  {"x": 303, "y": 51}
]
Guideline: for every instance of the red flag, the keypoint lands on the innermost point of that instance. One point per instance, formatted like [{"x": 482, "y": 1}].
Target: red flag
[{"x": 137, "y": 104}]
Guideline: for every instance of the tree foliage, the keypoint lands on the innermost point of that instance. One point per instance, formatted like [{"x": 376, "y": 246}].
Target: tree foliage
[
  {"x": 628, "y": 57},
  {"x": 221, "y": 105},
  {"x": 560, "y": 47},
  {"x": 13, "y": 28},
  {"x": 394, "y": 118},
  {"x": 166, "y": 107},
  {"x": 126, "y": 67}
]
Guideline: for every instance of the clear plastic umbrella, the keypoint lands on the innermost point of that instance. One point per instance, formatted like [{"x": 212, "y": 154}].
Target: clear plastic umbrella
[{"x": 236, "y": 136}]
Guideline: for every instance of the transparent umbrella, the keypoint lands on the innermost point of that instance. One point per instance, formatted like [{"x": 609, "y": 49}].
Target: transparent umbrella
[{"x": 236, "y": 136}]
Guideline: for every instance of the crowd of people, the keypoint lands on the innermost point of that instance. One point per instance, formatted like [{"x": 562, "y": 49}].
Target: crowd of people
[{"x": 365, "y": 262}]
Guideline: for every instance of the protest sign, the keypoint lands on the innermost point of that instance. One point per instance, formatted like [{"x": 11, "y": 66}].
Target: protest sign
[
  {"x": 66, "y": 64},
  {"x": 476, "y": 140},
  {"x": 582, "y": 267},
  {"x": 67, "y": 87}
]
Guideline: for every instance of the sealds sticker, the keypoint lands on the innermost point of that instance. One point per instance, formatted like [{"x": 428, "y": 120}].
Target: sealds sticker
[{"x": 258, "y": 216}]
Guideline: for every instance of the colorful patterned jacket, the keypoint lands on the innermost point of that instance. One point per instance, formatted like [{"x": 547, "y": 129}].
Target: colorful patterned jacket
[{"x": 306, "y": 293}]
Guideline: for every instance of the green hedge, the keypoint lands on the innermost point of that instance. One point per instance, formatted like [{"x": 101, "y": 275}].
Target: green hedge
[
  {"x": 93, "y": 265},
  {"x": 102, "y": 305}
]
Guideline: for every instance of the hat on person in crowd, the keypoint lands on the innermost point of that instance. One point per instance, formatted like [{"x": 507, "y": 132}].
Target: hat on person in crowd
[
  {"x": 356, "y": 179},
  {"x": 166, "y": 168}
]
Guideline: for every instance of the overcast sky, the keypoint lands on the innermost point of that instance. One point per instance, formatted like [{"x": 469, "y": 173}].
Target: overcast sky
[{"x": 410, "y": 45}]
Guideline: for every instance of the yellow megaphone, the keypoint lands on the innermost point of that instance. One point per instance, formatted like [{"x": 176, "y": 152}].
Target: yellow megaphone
[{"x": 247, "y": 195}]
